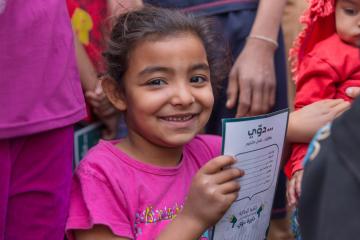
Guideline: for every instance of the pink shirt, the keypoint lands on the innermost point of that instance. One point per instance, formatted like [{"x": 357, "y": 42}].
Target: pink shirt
[
  {"x": 135, "y": 200},
  {"x": 39, "y": 83}
]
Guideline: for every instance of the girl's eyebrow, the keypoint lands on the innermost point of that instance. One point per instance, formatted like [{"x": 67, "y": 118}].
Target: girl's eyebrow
[
  {"x": 153, "y": 69},
  {"x": 200, "y": 66}
]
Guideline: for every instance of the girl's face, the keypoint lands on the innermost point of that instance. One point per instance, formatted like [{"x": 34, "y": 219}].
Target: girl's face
[
  {"x": 167, "y": 91},
  {"x": 347, "y": 17}
]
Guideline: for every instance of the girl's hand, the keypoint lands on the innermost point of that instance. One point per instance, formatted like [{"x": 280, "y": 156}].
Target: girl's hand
[
  {"x": 293, "y": 190},
  {"x": 214, "y": 188}
]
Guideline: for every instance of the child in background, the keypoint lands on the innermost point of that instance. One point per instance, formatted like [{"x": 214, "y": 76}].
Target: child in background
[
  {"x": 91, "y": 24},
  {"x": 326, "y": 64},
  {"x": 163, "y": 180}
]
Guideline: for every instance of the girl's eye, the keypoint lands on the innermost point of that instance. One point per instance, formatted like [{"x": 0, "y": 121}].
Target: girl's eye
[
  {"x": 350, "y": 11},
  {"x": 198, "y": 79},
  {"x": 156, "y": 82}
]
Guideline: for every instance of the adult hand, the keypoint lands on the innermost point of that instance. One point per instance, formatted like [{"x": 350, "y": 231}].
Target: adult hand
[
  {"x": 293, "y": 190},
  {"x": 214, "y": 188},
  {"x": 104, "y": 110},
  {"x": 305, "y": 122},
  {"x": 252, "y": 81},
  {"x": 111, "y": 126},
  {"x": 99, "y": 102}
]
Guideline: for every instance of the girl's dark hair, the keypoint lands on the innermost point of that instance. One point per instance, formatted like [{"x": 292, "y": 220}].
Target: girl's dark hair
[{"x": 152, "y": 23}]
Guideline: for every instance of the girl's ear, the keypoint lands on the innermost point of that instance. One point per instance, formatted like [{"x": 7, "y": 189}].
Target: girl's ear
[{"x": 113, "y": 93}]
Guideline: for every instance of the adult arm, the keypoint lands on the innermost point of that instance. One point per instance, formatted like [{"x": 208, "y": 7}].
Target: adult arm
[
  {"x": 88, "y": 75},
  {"x": 252, "y": 80},
  {"x": 94, "y": 94},
  {"x": 91, "y": 83},
  {"x": 305, "y": 122}
]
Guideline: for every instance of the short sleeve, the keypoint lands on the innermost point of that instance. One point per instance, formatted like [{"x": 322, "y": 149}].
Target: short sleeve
[
  {"x": 213, "y": 144},
  {"x": 95, "y": 201}
]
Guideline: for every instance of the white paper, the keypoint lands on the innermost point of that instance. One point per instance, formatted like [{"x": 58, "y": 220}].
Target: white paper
[{"x": 257, "y": 144}]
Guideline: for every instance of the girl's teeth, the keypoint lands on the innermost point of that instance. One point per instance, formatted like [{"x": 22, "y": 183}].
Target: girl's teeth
[{"x": 178, "y": 119}]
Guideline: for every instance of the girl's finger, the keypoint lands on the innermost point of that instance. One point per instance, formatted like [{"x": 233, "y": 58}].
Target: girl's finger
[
  {"x": 229, "y": 187},
  {"x": 227, "y": 175},
  {"x": 217, "y": 164},
  {"x": 231, "y": 197}
]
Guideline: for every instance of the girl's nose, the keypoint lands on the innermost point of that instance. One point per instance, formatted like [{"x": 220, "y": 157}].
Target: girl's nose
[{"x": 182, "y": 95}]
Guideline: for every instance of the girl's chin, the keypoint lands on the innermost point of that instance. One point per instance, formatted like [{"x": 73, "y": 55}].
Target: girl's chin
[{"x": 178, "y": 140}]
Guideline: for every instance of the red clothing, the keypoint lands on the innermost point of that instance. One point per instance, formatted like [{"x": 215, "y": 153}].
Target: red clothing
[
  {"x": 90, "y": 26},
  {"x": 87, "y": 19},
  {"x": 324, "y": 73}
]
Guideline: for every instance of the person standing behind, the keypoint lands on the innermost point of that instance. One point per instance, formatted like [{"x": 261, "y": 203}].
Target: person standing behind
[
  {"x": 40, "y": 98},
  {"x": 91, "y": 21},
  {"x": 331, "y": 184},
  {"x": 326, "y": 59}
]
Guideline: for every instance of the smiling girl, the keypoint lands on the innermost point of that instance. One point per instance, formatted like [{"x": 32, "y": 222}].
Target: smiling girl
[{"x": 163, "y": 180}]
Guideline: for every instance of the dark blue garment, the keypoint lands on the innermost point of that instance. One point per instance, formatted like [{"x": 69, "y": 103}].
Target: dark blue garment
[
  {"x": 206, "y": 7},
  {"x": 236, "y": 27},
  {"x": 330, "y": 196}
]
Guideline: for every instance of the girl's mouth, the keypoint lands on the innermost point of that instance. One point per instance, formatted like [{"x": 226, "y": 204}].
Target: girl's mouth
[{"x": 179, "y": 118}]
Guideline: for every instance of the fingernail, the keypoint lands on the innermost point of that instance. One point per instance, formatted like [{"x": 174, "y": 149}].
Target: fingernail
[
  {"x": 227, "y": 103},
  {"x": 349, "y": 91},
  {"x": 98, "y": 90}
]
